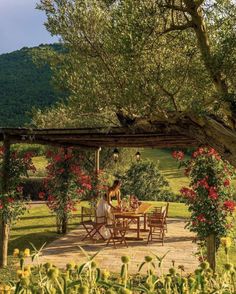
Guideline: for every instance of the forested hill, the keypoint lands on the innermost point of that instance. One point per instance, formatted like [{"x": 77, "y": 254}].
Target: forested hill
[{"x": 23, "y": 85}]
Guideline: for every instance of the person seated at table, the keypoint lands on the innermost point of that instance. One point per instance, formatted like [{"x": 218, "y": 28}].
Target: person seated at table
[
  {"x": 114, "y": 192},
  {"x": 134, "y": 202}
]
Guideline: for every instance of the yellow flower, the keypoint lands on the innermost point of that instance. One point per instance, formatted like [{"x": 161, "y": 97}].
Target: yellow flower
[
  {"x": 27, "y": 252},
  {"x": 16, "y": 252},
  {"x": 26, "y": 274},
  {"x": 27, "y": 268},
  {"x": 226, "y": 242},
  {"x": 19, "y": 273}
]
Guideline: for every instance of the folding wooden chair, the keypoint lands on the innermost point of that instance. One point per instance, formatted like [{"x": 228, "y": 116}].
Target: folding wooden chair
[
  {"x": 157, "y": 227},
  {"x": 117, "y": 233},
  {"x": 93, "y": 224}
]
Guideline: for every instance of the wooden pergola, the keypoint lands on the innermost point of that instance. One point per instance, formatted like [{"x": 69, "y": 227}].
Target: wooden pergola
[{"x": 89, "y": 138}]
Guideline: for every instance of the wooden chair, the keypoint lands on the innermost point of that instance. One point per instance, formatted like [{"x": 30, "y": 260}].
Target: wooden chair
[
  {"x": 117, "y": 232},
  {"x": 93, "y": 224},
  {"x": 156, "y": 224}
]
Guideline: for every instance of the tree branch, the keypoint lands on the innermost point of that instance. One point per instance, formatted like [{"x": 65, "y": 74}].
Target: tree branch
[
  {"x": 178, "y": 27},
  {"x": 170, "y": 95},
  {"x": 175, "y": 7}
]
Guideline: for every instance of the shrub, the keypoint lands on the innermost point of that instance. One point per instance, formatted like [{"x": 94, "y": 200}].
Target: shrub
[
  {"x": 32, "y": 187},
  {"x": 37, "y": 150},
  {"x": 144, "y": 180}
]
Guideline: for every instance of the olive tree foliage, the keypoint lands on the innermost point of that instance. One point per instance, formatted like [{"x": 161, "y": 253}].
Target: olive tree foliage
[{"x": 138, "y": 62}]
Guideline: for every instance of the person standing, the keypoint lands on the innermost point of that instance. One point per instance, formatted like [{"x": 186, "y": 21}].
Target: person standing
[{"x": 114, "y": 193}]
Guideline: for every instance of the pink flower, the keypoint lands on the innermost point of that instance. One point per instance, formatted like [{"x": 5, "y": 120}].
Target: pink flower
[
  {"x": 2, "y": 150},
  {"x": 189, "y": 193},
  {"x": 28, "y": 155},
  {"x": 87, "y": 186},
  {"x": 230, "y": 205},
  {"x": 57, "y": 158},
  {"x": 49, "y": 153},
  {"x": 61, "y": 170},
  {"x": 213, "y": 193},
  {"x": 203, "y": 183},
  {"x": 179, "y": 155},
  {"x": 68, "y": 156},
  {"x": 226, "y": 182},
  {"x": 51, "y": 198},
  {"x": 42, "y": 195},
  {"x": 80, "y": 191},
  {"x": 10, "y": 200},
  {"x": 1, "y": 206},
  {"x": 212, "y": 152},
  {"x": 201, "y": 218}
]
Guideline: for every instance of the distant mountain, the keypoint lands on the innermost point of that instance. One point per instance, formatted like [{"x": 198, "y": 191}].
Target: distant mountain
[{"x": 23, "y": 85}]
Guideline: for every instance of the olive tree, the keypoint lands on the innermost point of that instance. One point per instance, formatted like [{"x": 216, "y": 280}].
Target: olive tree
[{"x": 148, "y": 61}]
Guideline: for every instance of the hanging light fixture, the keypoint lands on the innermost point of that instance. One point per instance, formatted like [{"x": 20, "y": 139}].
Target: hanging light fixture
[
  {"x": 115, "y": 154},
  {"x": 138, "y": 156}
]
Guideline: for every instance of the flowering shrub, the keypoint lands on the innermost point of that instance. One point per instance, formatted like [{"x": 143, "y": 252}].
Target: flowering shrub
[
  {"x": 11, "y": 203},
  {"x": 209, "y": 195},
  {"x": 88, "y": 278},
  {"x": 66, "y": 184}
]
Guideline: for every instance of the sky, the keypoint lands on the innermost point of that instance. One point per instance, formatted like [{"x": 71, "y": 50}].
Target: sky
[{"x": 21, "y": 25}]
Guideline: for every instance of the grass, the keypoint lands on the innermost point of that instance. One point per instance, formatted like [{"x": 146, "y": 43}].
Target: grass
[
  {"x": 40, "y": 162},
  {"x": 168, "y": 166}
]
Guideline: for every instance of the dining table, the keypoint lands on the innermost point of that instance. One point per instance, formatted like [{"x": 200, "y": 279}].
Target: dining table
[{"x": 136, "y": 215}]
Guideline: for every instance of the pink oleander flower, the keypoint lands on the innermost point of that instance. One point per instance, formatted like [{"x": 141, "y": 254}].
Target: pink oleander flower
[
  {"x": 230, "y": 205},
  {"x": 226, "y": 182},
  {"x": 213, "y": 193},
  {"x": 201, "y": 218},
  {"x": 179, "y": 155}
]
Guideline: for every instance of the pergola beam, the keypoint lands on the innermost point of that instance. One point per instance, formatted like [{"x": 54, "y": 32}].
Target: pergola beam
[{"x": 100, "y": 137}]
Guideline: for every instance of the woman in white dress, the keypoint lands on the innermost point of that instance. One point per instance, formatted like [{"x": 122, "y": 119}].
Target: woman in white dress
[{"x": 103, "y": 211}]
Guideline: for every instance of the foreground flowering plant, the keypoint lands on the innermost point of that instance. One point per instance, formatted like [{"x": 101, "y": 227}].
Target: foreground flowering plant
[
  {"x": 88, "y": 278},
  {"x": 12, "y": 204},
  {"x": 210, "y": 193}
]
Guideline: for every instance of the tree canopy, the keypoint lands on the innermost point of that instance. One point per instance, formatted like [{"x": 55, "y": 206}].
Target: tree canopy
[{"x": 150, "y": 60}]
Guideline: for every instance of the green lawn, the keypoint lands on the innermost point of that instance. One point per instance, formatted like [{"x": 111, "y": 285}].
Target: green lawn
[{"x": 168, "y": 167}]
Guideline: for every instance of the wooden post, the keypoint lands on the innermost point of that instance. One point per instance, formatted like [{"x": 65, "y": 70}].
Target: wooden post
[
  {"x": 4, "y": 230},
  {"x": 97, "y": 169},
  {"x": 97, "y": 160},
  {"x": 64, "y": 219},
  {"x": 211, "y": 251}
]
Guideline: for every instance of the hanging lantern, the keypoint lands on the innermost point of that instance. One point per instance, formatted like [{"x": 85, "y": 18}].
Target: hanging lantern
[
  {"x": 138, "y": 156},
  {"x": 115, "y": 154}
]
